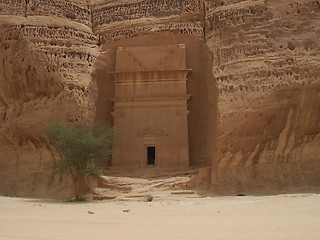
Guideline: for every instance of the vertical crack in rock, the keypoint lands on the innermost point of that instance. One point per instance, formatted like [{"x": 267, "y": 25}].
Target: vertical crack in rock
[{"x": 26, "y": 5}]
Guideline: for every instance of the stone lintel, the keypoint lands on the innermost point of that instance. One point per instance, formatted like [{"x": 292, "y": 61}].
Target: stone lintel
[
  {"x": 150, "y": 81},
  {"x": 149, "y": 99},
  {"x": 150, "y": 71},
  {"x": 149, "y": 74},
  {"x": 178, "y": 112}
]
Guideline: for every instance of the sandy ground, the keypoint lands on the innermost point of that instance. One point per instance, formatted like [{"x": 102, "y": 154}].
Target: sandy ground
[{"x": 174, "y": 217}]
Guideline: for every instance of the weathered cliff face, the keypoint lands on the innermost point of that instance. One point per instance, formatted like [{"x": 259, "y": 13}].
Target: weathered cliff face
[
  {"x": 47, "y": 56},
  {"x": 254, "y": 111},
  {"x": 266, "y": 62}
]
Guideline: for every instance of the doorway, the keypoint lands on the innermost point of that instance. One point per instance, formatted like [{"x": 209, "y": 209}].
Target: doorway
[{"x": 151, "y": 155}]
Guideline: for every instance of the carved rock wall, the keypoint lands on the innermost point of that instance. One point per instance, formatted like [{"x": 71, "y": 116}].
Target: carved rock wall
[
  {"x": 160, "y": 22},
  {"x": 266, "y": 62},
  {"x": 200, "y": 85}
]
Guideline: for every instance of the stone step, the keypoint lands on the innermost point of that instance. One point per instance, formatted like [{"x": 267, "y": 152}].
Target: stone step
[
  {"x": 148, "y": 173},
  {"x": 183, "y": 193},
  {"x": 101, "y": 198}
]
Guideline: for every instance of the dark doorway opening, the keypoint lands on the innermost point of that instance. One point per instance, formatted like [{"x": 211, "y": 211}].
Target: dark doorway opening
[{"x": 151, "y": 155}]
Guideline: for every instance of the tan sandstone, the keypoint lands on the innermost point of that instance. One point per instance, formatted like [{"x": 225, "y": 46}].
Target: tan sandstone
[{"x": 255, "y": 91}]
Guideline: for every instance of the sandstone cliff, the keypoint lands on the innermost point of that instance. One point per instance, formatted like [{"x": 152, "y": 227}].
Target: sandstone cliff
[
  {"x": 266, "y": 62},
  {"x": 47, "y": 56},
  {"x": 254, "y": 112}
]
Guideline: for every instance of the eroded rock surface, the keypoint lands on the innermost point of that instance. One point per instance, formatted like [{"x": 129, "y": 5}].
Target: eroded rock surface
[
  {"x": 266, "y": 63},
  {"x": 47, "y": 56},
  {"x": 254, "y": 112}
]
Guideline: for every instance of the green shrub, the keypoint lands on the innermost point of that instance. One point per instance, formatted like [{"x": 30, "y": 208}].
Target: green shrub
[
  {"x": 148, "y": 198},
  {"x": 78, "y": 145}
]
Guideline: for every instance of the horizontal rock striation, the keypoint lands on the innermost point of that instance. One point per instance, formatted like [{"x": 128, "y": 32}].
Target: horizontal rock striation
[
  {"x": 123, "y": 19},
  {"x": 266, "y": 62},
  {"x": 47, "y": 55}
]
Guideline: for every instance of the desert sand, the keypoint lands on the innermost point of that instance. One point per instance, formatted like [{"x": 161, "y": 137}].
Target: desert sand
[{"x": 287, "y": 216}]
